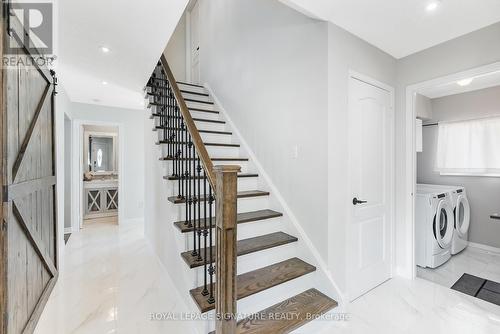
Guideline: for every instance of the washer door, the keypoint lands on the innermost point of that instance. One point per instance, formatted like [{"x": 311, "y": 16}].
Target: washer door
[
  {"x": 462, "y": 216},
  {"x": 443, "y": 224}
]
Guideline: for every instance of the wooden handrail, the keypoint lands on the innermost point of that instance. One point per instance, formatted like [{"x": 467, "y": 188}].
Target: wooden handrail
[
  {"x": 193, "y": 130},
  {"x": 224, "y": 183}
]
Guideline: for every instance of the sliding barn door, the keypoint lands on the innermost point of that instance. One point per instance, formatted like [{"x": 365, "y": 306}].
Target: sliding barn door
[{"x": 28, "y": 234}]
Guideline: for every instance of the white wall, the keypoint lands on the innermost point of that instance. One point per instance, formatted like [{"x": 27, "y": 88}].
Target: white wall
[
  {"x": 175, "y": 52},
  {"x": 62, "y": 104},
  {"x": 478, "y": 48},
  {"x": 345, "y": 52},
  {"x": 132, "y": 191},
  {"x": 267, "y": 65},
  {"x": 283, "y": 78},
  {"x": 483, "y": 192}
]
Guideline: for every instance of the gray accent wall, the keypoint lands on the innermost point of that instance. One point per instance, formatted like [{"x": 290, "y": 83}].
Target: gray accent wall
[{"x": 483, "y": 192}]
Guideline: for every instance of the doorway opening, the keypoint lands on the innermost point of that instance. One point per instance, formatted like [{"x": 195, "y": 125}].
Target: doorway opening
[
  {"x": 97, "y": 165},
  {"x": 454, "y": 174},
  {"x": 193, "y": 43}
]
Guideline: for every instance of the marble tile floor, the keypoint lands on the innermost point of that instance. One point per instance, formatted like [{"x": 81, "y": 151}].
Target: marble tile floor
[
  {"x": 111, "y": 282},
  {"x": 474, "y": 261}
]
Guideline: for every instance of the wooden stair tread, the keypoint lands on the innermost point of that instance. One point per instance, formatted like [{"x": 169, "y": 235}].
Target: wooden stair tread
[
  {"x": 204, "y": 110},
  {"x": 304, "y": 307},
  {"x": 259, "y": 280},
  {"x": 241, "y": 194},
  {"x": 206, "y": 144},
  {"x": 198, "y": 101},
  {"x": 245, "y": 246},
  {"x": 245, "y": 217},
  {"x": 240, "y": 175},
  {"x": 189, "y": 84},
  {"x": 193, "y": 93},
  {"x": 158, "y": 127},
  {"x": 213, "y": 159},
  {"x": 153, "y": 115}
]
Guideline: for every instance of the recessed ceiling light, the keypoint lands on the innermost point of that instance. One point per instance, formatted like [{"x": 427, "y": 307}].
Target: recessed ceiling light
[
  {"x": 465, "y": 82},
  {"x": 432, "y": 6},
  {"x": 104, "y": 82},
  {"x": 104, "y": 49}
]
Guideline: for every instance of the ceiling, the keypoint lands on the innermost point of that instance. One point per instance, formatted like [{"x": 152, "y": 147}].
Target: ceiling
[
  {"x": 479, "y": 82},
  {"x": 403, "y": 27},
  {"x": 136, "y": 32}
]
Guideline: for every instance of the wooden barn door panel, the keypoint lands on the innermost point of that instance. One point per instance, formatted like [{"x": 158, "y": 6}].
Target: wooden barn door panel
[{"x": 29, "y": 233}]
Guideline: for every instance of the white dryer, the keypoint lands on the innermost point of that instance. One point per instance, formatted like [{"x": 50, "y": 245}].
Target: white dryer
[
  {"x": 433, "y": 227},
  {"x": 461, "y": 211}
]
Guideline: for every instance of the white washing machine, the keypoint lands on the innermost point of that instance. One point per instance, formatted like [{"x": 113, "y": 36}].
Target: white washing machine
[
  {"x": 433, "y": 227},
  {"x": 461, "y": 211}
]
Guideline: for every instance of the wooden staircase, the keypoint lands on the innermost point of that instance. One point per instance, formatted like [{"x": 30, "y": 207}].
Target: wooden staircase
[{"x": 304, "y": 306}]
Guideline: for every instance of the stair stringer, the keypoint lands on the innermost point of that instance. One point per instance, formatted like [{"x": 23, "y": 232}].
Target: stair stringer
[
  {"x": 165, "y": 240},
  {"x": 306, "y": 250}
]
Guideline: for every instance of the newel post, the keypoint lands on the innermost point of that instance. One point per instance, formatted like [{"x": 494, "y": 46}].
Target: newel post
[{"x": 225, "y": 244}]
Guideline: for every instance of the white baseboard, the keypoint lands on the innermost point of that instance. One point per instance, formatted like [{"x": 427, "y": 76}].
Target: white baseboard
[
  {"x": 341, "y": 299},
  {"x": 68, "y": 230},
  {"x": 484, "y": 247}
]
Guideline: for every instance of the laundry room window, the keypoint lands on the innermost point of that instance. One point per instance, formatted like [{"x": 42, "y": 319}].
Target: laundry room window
[{"x": 469, "y": 147}]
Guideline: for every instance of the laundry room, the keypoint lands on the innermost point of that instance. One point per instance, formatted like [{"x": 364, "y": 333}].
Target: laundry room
[{"x": 457, "y": 199}]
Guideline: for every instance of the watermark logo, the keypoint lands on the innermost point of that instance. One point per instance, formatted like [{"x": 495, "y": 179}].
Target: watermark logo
[{"x": 31, "y": 34}]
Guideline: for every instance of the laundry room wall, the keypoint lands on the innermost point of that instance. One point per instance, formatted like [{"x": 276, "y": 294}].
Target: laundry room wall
[
  {"x": 483, "y": 192},
  {"x": 476, "y": 49}
]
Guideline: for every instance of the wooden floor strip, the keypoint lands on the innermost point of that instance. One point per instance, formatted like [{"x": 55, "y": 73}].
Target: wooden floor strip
[
  {"x": 242, "y": 218},
  {"x": 245, "y": 246},
  {"x": 259, "y": 280},
  {"x": 240, "y": 176},
  {"x": 241, "y": 194},
  {"x": 302, "y": 308}
]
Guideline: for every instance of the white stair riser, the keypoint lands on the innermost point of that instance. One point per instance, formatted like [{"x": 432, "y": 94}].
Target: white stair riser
[
  {"x": 253, "y": 261},
  {"x": 244, "y": 184},
  {"x": 223, "y": 151},
  {"x": 196, "y": 96},
  {"x": 245, "y": 231},
  {"x": 199, "y": 105},
  {"x": 192, "y": 88},
  {"x": 214, "y": 151},
  {"x": 216, "y": 138},
  {"x": 207, "y": 137},
  {"x": 245, "y": 165},
  {"x": 204, "y": 115},
  {"x": 272, "y": 296},
  {"x": 210, "y": 126},
  {"x": 244, "y": 205}
]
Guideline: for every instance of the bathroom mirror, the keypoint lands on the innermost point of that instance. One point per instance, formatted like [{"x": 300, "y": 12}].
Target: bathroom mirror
[{"x": 101, "y": 154}]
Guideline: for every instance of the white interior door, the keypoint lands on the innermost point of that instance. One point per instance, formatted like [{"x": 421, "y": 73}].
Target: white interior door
[
  {"x": 195, "y": 43},
  {"x": 369, "y": 261}
]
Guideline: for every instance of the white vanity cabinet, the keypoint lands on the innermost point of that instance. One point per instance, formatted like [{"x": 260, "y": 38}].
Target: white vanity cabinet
[{"x": 100, "y": 198}]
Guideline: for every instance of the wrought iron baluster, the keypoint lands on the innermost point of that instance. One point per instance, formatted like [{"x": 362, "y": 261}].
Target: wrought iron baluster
[
  {"x": 211, "y": 269},
  {"x": 195, "y": 200},
  {"x": 191, "y": 195},
  {"x": 198, "y": 169},
  {"x": 205, "y": 235}
]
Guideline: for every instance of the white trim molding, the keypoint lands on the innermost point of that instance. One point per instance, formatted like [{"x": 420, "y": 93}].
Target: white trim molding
[
  {"x": 77, "y": 169},
  {"x": 392, "y": 191},
  {"x": 485, "y": 247}
]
